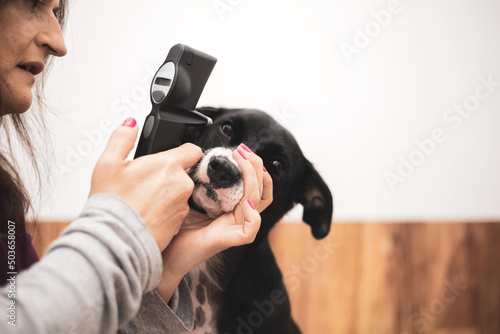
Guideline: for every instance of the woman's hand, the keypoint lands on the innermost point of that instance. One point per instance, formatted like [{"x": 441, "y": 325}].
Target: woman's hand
[
  {"x": 156, "y": 186},
  {"x": 201, "y": 237}
]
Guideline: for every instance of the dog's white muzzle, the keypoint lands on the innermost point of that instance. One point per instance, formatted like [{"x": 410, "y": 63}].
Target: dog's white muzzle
[{"x": 218, "y": 182}]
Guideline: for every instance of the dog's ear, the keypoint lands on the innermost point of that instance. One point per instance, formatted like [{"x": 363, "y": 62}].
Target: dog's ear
[{"x": 317, "y": 200}]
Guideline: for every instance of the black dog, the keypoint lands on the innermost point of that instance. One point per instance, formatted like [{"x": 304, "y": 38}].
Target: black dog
[{"x": 241, "y": 290}]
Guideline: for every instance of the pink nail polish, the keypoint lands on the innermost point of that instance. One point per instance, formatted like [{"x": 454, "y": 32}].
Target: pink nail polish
[
  {"x": 241, "y": 153},
  {"x": 243, "y": 146},
  {"x": 251, "y": 204},
  {"x": 130, "y": 122},
  {"x": 264, "y": 168}
]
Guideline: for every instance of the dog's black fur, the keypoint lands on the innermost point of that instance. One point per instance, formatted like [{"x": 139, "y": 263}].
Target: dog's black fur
[{"x": 250, "y": 273}]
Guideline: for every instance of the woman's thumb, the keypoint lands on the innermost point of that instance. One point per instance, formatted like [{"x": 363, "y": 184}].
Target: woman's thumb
[{"x": 122, "y": 140}]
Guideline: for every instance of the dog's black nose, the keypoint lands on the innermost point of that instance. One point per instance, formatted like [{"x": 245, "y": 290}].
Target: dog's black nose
[{"x": 222, "y": 172}]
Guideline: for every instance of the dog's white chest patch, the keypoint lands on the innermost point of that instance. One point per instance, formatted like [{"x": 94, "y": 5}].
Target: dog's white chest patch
[{"x": 204, "y": 308}]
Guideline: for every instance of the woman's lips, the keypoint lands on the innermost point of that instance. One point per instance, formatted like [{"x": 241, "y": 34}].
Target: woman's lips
[
  {"x": 32, "y": 67},
  {"x": 26, "y": 72}
]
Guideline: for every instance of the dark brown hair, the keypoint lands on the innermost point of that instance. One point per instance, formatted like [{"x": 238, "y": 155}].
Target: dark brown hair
[{"x": 22, "y": 130}]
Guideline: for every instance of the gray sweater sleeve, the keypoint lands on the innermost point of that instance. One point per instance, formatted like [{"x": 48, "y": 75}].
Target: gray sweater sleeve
[
  {"x": 157, "y": 317},
  {"x": 91, "y": 279}
]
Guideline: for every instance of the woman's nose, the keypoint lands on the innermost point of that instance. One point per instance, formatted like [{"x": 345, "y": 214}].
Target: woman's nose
[{"x": 51, "y": 38}]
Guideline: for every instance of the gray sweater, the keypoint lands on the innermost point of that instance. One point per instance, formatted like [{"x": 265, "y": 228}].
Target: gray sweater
[{"x": 92, "y": 280}]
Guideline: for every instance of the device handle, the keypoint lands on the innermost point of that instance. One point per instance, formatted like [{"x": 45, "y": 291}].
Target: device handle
[{"x": 172, "y": 122}]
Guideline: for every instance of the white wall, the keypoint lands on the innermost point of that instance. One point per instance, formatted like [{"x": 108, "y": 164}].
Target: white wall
[{"x": 355, "y": 116}]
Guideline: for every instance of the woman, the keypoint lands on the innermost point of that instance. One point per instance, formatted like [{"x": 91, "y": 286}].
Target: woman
[{"x": 126, "y": 241}]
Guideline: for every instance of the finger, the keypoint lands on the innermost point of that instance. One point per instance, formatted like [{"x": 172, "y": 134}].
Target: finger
[
  {"x": 257, "y": 163},
  {"x": 250, "y": 177},
  {"x": 267, "y": 193},
  {"x": 121, "y": 141},
  {"x": 243, "y": 228},
  {"x": 187, "y": 155},
  {"x": 252, "y": 222}
]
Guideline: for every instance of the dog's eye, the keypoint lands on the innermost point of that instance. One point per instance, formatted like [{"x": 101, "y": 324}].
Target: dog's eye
[
  {"x": 227, "y": 129},
  {"x": 278, "y": 165}
]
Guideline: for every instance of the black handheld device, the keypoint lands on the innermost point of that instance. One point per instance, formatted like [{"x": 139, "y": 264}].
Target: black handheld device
[{"x": 175, "y": 91}]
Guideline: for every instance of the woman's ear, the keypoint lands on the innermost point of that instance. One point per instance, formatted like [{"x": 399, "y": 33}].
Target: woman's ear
[{"x": 317, "y": 200}]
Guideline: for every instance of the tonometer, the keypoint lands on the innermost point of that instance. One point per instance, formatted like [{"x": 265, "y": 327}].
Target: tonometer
[{"x": 175, "y": 91}]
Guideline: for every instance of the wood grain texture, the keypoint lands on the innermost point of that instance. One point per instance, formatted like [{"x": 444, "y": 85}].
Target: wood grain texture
[
  {"x": 387, "y": 278},
  {"x": 394, "y": 278}
]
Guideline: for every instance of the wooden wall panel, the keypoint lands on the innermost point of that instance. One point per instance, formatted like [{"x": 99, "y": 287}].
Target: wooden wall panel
[{"x": 394, "y": 278}]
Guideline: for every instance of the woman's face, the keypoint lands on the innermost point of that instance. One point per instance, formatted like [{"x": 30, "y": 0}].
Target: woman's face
[{"x": 29, "y": 32}]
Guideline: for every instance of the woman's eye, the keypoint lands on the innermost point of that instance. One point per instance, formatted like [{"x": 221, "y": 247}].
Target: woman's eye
[
  {"x": 58, "y": 14},
  {"x": 227, "y": 129},
  {"x": 36, "y": 3},
  {"x": 277, "y": 164}
]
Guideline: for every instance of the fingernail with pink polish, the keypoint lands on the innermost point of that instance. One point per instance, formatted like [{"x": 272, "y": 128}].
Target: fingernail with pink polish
[
  {"x": 264, "y": 169},
  {"x": 241, "y": 153},
  {"x": 130, "y": 122},
  {"x": 243, "y": 146},
  {"x": 250, "y": 203}
]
